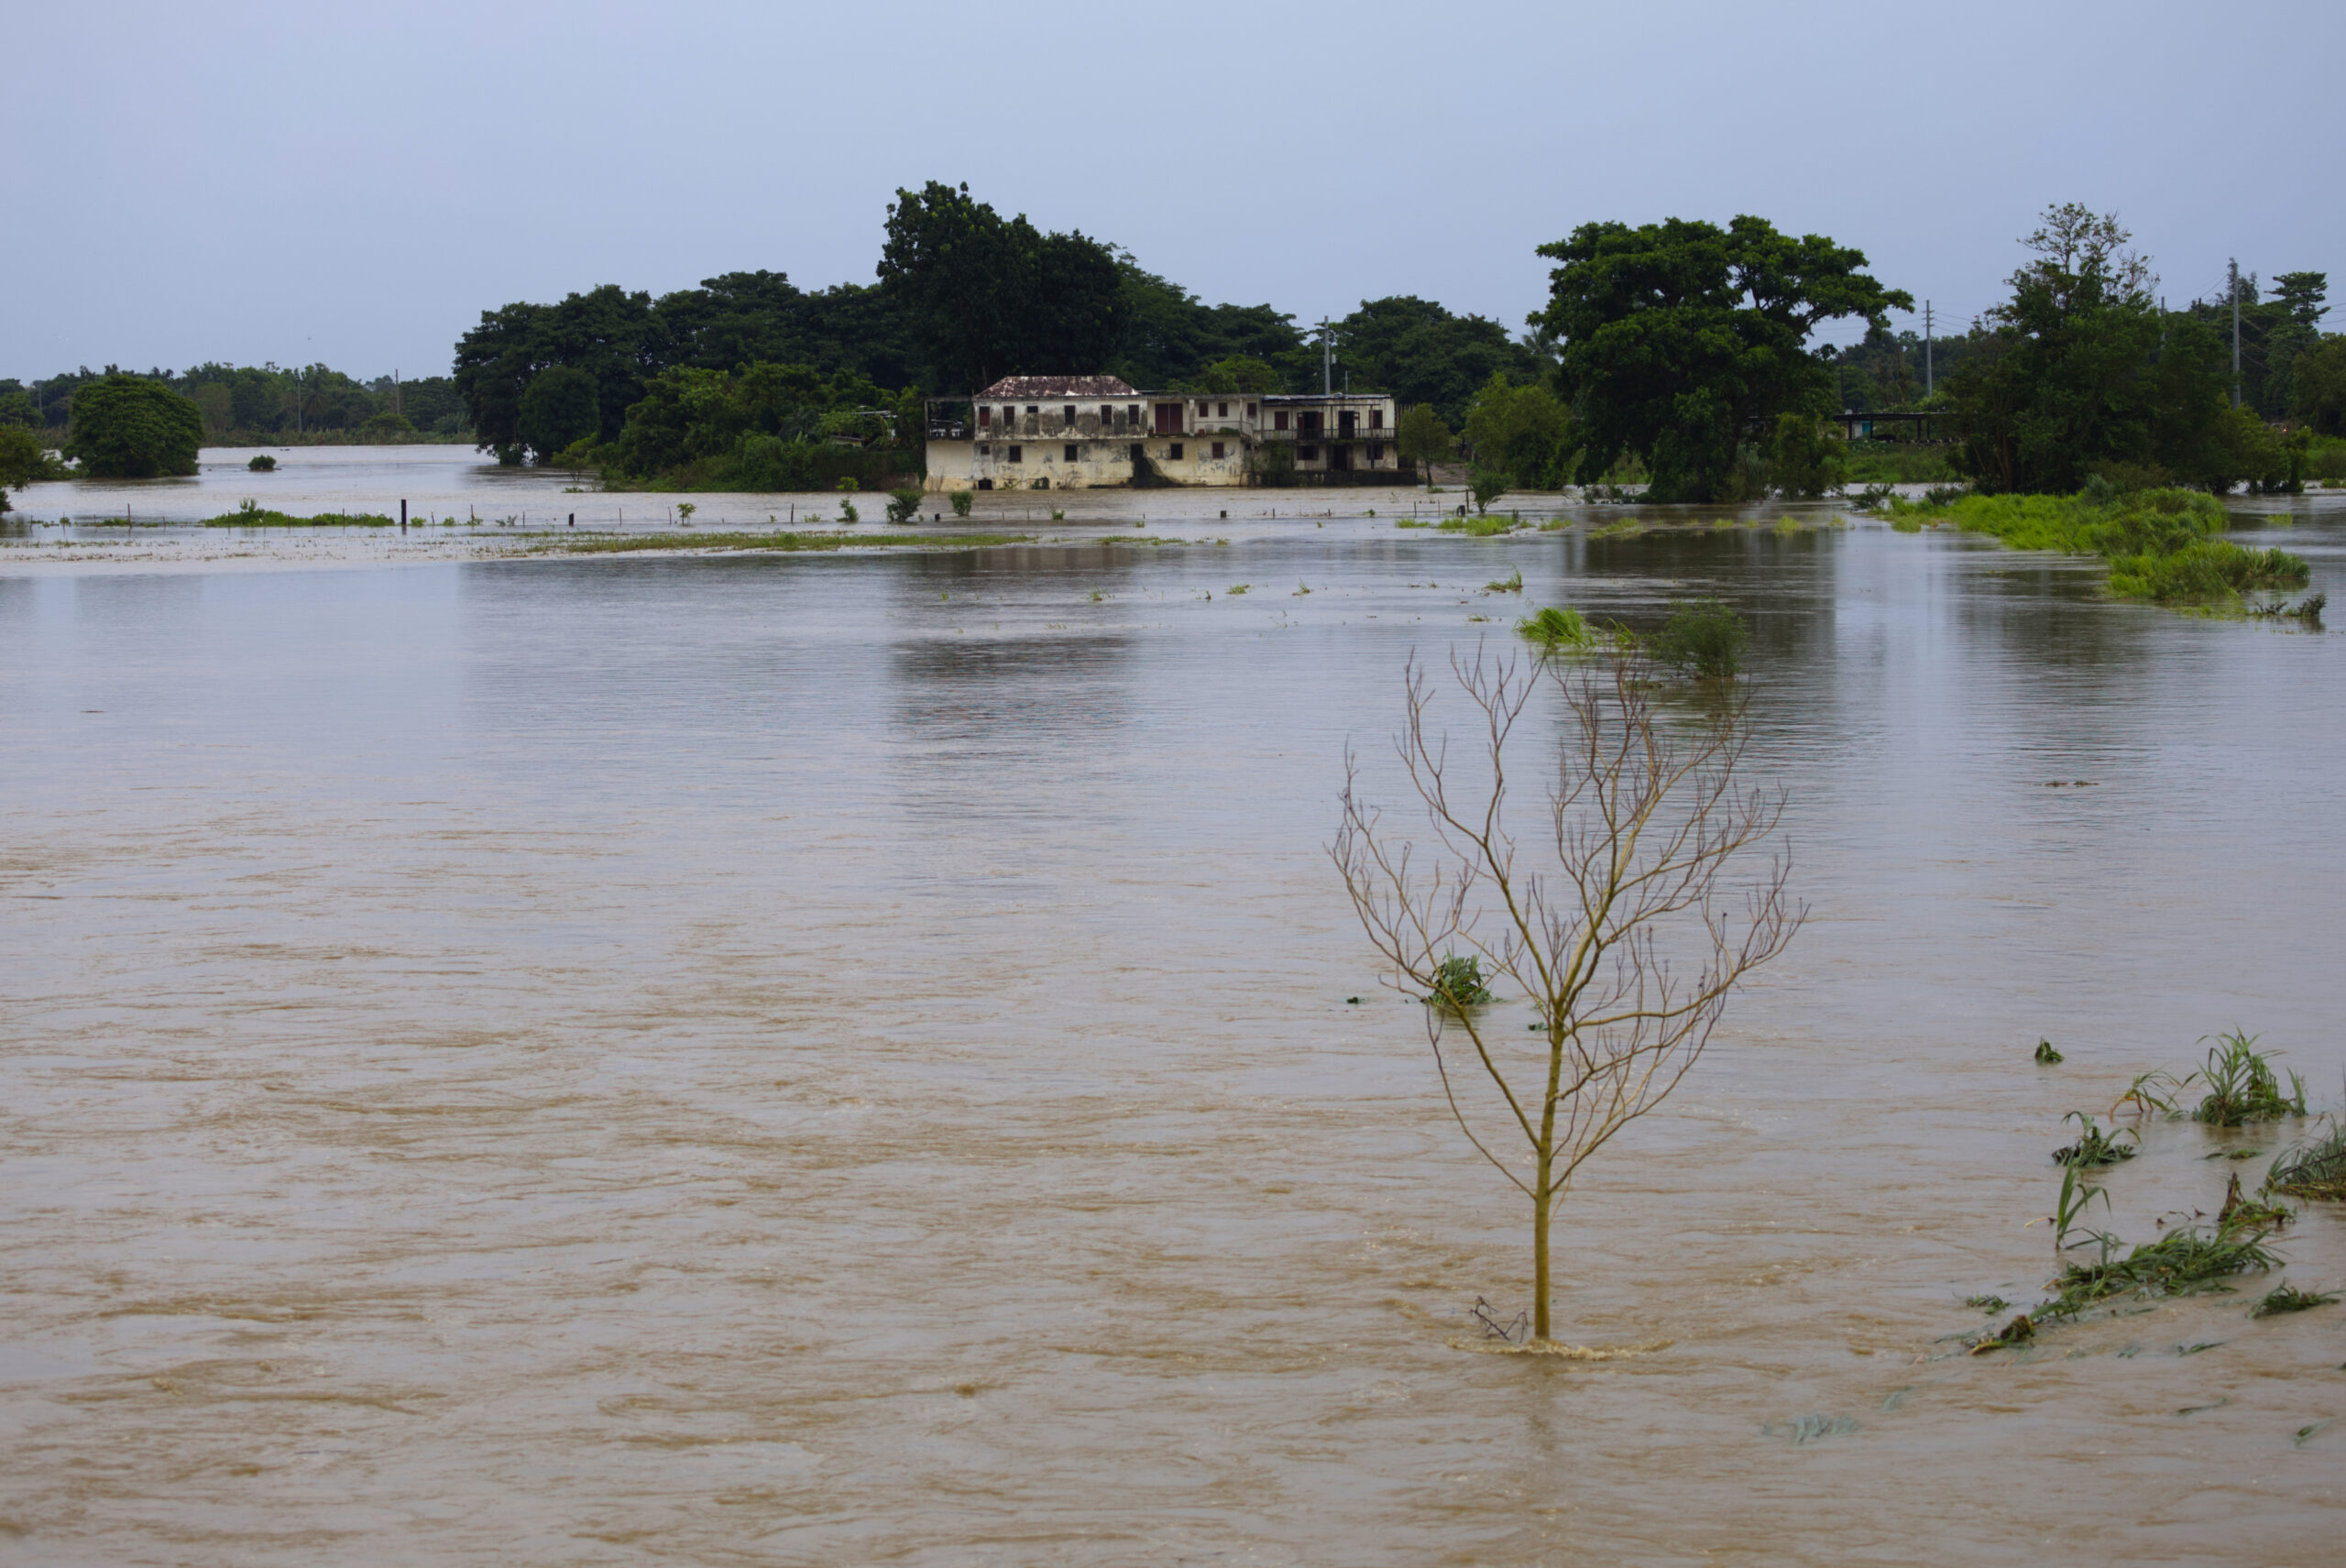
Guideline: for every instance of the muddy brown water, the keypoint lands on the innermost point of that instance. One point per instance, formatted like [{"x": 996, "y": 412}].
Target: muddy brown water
[{"x": 845, "y": 1059}]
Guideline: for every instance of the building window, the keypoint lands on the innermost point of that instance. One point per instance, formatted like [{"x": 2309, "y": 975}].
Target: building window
[
  {"x": 1133, "y": 413},
  {"x": 1175, "y": 452},
  {"x": 985, "y": 416},
  {"x": 1377, "y": 452},
  {"x": 1278, "y": 420},
  {"x": 1202, "y": 408},
  {"x": 1069, "y": 450},
  {"x": 1217, "y": 450},
  {"x": 1377, "y": 419},
  {"x": 1250, "y": 410},
  {"x": 1071, "y": 416},
  {"x": 1221, "y": 410},
  {"x": 984, "y": 450},
  {"x": 1302, "y": 453},
  {"x": 1033, "y": 410},
  {"x": 1107, "y": 415},
  {"x": 1017, "y": 455}
]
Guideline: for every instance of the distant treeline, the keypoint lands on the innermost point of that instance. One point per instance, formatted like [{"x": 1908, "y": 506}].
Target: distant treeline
[
  {"x": 244, "y": 404},
  {"x": 964, "y": 296}
]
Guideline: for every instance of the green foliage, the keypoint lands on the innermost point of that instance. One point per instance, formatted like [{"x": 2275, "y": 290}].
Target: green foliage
[
  {"x": 848, "y": 513},
  {"x": 2320, "y": 385},
  {"x": 1889, "y": 462},
  {"x": 560, "y": 406},
  {"x": 127, "y": 427},
  {"x": 2094, "y": 1146},
  {"x": 2157, "y": 542},
  {"x": 1522, "y": 432},
  {"x": 22, "y": 461},
  {"x": 2243, "y": 1087},
  {"x": 785, "y": 541},
  {"x": 1240, "y": 373},
  {"x": 2314, "y": 1169},
  {"x": 2286, "y": 1297},
  {"x": 1704, "y": 638},
  {"x": 1422, "y": 353},
  {"x": 1679, "y": 336},
  {"x": 1459, "y": 983},
  {"x": 904, "y": 505},
  {"x": 2046, "y": 1055},
  {"x": 252, "y": 514},
  {"x": 962, "y": 500},
  {"x": 18, "y": 408},
  {"x": 2183, "y": 1262},
  {"x": 262, "y": 463},
  {"x": 1422, "y": 438},
  {"x": 761, "y": 428},
  {"x": 1557, "y": 629},
  {"x": 1485, "y": 485},
  {"x": 1804, "y": 463}
]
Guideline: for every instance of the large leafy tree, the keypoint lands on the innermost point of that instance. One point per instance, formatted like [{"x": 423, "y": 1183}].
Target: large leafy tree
[
  {"x": 607, "y": 333},
  {"x": 2079, "y": 372},
  {"x": 2320, "y": 396},
  {"x": 996, "y": 297},
  {"x": 1520, "y": 432},
  {"x": 1681, "y": 340},
  {"x": 129, "y": 427},
  {"x": 23, "y": 460}
]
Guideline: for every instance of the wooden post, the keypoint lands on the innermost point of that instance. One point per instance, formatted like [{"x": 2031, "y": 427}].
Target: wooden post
[{"x": 402, "y": 516}]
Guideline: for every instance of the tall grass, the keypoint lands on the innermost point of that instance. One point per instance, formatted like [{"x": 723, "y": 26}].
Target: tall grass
[
  {"x": 2315, "y": 1169},
  {"x": 2242, "y": 1086}
]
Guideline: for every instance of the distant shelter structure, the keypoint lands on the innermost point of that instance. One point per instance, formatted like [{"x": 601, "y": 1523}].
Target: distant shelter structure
[{"x": 1073, "y": 432}]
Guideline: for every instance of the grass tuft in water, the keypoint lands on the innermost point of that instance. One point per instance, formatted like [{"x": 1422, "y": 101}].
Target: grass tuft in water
[
  {"x": 1556, "y": 629},
  {"x": 2095, "y": 1146},
  {"x": 2181, "y": 1262},
  {"x": 2046, "y": 1055},
  {"x": 2242, "y": 1086},
  {"x": 251, "y": 514},
  {"x": 2315, "y": 1169},
  {"x": 1511, "y": 584},
  {"x": 2289, "y": 1299}
]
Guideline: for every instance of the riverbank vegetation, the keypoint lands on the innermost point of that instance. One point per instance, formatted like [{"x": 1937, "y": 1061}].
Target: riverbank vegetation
[
  {"x": 251, "y": 514},
  {"x": 245, "y": 405},
  {"x": 2160, "y": 544}
]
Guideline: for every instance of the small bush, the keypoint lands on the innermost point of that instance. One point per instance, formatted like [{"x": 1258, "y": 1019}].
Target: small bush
[
  {"x": 961, "y": 501},
  {"x": 1556, "y": 628},
  {"x": 903, "y": 506},
  {"x": 1459, "y": 983},
  {"x": 848, "y": 513},
  {"x": 1704, "y": 638},
  {"x": 1487, "y": 485},
  {"x": 262, "y": 463},
  {"x": 2242, "y": 1086}
]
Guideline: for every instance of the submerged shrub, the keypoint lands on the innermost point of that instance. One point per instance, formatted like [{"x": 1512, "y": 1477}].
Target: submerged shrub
[
  {"x": 1557, "y": 628},
  {"x": 1459, "y": 982},
  {"x": 262, "y": 463},
  {"x": 903, "y": 506},
  {"x": 961, "y": 501},
  {"x": 1704, "y": 638}
]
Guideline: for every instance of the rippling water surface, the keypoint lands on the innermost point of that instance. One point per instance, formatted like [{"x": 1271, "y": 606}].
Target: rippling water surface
[{"x": 845, "y": 1059}]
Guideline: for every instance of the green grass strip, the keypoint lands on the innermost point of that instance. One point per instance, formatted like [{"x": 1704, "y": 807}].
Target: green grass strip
[
  {"x": 786, "y": 541},
  {"x": 2160, "y": 544},
  {"x": 250, "y": 516}
]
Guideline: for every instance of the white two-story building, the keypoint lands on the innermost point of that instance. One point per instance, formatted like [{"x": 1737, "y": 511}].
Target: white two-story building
[{"x": 1084, "y": 431}]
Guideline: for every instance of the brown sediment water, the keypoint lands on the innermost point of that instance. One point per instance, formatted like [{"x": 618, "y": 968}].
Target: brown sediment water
[{"x": 848, "y": 1059}]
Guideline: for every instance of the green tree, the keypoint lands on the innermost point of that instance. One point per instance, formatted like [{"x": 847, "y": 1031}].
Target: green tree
[
  {"x": 1679, "y": 338},
  {"x": 1803, "y": 462},
  {"x": 2320, "y": 390},
  {"x": 23, "y": 460},
  {"x": 1423, "y": 439},
  {"x": 559, "y": 405},
  {"x": 129, "y": 427},
  {"x": 2079, "y": 370},
  {"x": 1240, "y": 373},
  {"x": 1521, "y": 433},
  {"x": 17, "y": 407},
  {"x": 607, "y": 331},
  {"x": 1422, "y": 353}
]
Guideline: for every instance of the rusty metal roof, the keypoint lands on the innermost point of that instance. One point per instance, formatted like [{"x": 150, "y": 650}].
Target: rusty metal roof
[{"x": 1059, "y": 387}]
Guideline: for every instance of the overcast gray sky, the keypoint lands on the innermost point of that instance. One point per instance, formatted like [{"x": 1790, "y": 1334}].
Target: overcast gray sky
[{"x": 355, "y": 184}]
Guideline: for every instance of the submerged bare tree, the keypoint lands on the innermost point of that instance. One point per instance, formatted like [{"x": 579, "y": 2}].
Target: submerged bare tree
[{"x": 1623, "y": 877}]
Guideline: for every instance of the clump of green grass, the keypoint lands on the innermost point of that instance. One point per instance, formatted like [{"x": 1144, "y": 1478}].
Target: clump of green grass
[
  {"x": 1478, "y": 527},
  {"x": 2315, "y": 1169},
  {"x": 1413, "y": 523},
  {"x": 2095, "y": 1146},
  {"x": 2242, "y": 1086},
  {"x": 1237, "y": 588},
  {"x": 2046, "y": 1055},
  {"x": 2183, "y": 1262},
  {"x": 2289, "y": 1299},
  {"x": 1511, "y": 584},
  {"x": 262, "y": 463},
  {"x": 1986, "y": 1303},
  {"x": 1459, "y": 983},
  {"x": 1704, "y": 638},
  {"x": 2160, "y": 545},
  {"x": 1556, "y": 628},
  {"x": 251, "y": 514}
]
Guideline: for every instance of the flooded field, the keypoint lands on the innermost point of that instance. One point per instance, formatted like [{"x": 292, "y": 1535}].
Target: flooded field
[{"x": 846, "y": 1059}]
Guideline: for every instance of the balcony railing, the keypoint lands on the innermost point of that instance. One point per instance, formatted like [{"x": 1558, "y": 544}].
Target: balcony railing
[{"x": 1357, "y": 433}]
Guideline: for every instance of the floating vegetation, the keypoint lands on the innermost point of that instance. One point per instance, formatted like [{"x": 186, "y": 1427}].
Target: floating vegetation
[
  {"x": 2046, "y": 1055},
  {"x": 2308, "y": 609},
  {"x": 2289, "y": 1299},
  {"x": 1986, "y": 1303},
  {"x": 2307, "y": 1433},
  {"x": 2242, "y": 1086},
  {"x": 2095, "y": 1146},
  {"x": 2315, "y": 1169},
  {"x": 1237, "y": 588},
  {"x": 1459, "y": 983},
  {"x": 2152, "y": 1093},
  {"x": 2242, "y": 1211},
  {"x": 2021, "y": 1330},
  {"x": 1512, "y": 584}
]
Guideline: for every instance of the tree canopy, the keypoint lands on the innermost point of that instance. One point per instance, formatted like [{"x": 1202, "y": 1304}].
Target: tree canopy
[
  {"x": 1422, "y": 353},
  {"x": 1680, "y": 340},
  {"x": 128, "y": 427}
]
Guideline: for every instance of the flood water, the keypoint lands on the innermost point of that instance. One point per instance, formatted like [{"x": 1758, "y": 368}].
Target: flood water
[{"x": 845, "y": 1059}]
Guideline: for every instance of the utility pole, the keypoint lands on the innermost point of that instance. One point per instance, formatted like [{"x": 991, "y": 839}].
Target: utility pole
[
  {"x": 1326, "y": 357},
  {"x": 2235, "y": 280},
  {"x": 1929, "y": 382}
]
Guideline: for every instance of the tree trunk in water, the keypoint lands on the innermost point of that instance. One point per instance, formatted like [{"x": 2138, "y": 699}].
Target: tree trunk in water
[{"x": 1540, "y": 1210}]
